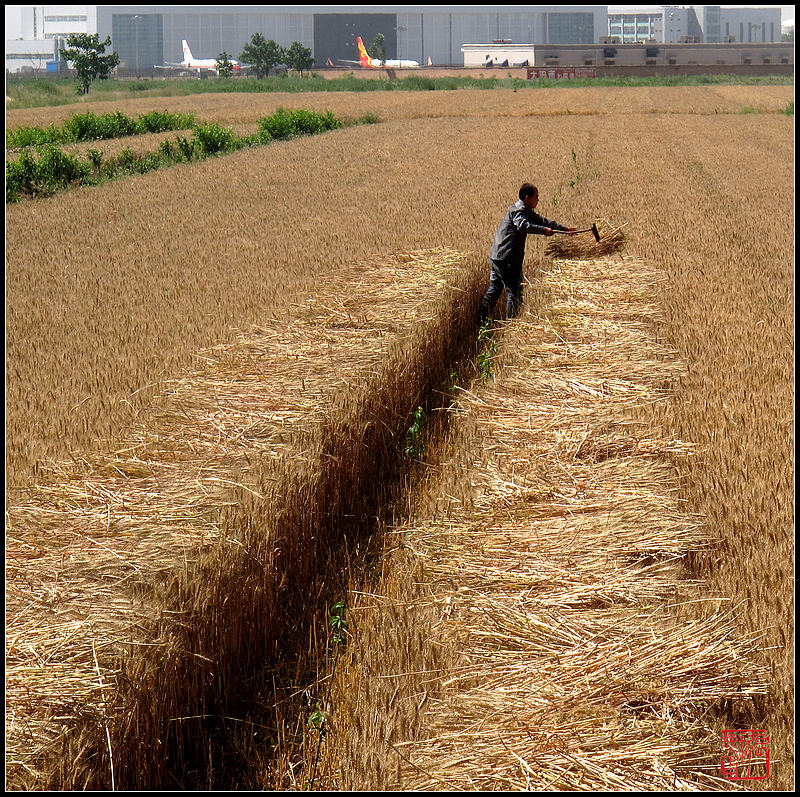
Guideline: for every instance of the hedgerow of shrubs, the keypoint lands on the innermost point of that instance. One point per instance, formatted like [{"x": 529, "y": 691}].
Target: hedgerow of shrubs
[
  {"x": 285, "y": 124},
  {"x": 55, "y": 170},
  {"x": 91, "y": 127}
]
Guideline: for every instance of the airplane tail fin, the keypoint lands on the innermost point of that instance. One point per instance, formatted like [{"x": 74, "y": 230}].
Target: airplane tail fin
[
  {"x": 187, "y": 53},
  {"x": 362, "y": 53}
]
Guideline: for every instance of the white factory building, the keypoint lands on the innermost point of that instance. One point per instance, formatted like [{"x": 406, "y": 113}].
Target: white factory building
[{"x": 695, "y": 24}]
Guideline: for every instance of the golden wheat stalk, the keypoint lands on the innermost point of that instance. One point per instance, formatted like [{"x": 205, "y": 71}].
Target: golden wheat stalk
[{"x": 612, "y": 240}]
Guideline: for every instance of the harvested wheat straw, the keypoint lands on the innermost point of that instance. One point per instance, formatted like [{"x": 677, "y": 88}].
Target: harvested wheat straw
[
  {"x": 556, "y": 576},
  {"x": 612, "y": 239},
  {"x": 90, "y": 551}
]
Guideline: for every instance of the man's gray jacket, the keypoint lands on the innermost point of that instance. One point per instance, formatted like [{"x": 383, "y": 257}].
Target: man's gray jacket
[{"x": 518, "y": 224}]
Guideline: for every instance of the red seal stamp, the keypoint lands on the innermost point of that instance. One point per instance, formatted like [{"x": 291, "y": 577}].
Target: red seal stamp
[{"x": 745, "y": 755}]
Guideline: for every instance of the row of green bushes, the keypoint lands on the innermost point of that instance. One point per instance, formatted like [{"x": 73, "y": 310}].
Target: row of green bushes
[
  {"x": 91, "y": 127},
  {"x": 54, "y": 170}
]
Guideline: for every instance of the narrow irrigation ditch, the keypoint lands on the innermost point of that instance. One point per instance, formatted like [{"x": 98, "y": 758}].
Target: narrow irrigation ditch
[{"x": 157, "y": 588}]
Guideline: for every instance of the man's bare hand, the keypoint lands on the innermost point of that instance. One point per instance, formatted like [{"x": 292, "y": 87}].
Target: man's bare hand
[{"x": 548, "y": 231}]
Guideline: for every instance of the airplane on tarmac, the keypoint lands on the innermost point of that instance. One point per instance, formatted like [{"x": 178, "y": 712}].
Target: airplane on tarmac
[
  {"x": 200, "y": 64},
  {"x": 376, "y": 63}
]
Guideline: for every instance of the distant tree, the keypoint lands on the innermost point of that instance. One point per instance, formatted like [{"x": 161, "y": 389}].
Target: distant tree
[
  {"x": 263, "y": 54},
  {"x": 224, "y": 65},
  {"x": 788, "y": 34},
  {"x": 85, "y": 52},
  {"x": 299, "y": 57},
  {"x": 378, "y": 47}
]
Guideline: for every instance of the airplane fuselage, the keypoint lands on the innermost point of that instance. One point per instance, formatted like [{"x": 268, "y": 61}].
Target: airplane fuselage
[{"x": 376, "y": 63}]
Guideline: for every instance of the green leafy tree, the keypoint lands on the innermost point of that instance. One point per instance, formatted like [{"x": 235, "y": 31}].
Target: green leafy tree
[
  {"x": 299, "y": 57},
  {"x": 224, "y": 65},
  {"x": 378, "y": 47},
  {"x": 85, "y": 52},
  {"x": 262, "y": 54}
]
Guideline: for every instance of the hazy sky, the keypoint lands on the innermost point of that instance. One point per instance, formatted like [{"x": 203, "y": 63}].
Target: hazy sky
[{"x": 14, "y": 24}]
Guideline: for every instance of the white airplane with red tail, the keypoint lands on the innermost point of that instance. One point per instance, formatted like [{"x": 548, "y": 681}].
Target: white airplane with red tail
[
  {"x": 377, "y": 63},
  {"x": 201, "y": 64}
]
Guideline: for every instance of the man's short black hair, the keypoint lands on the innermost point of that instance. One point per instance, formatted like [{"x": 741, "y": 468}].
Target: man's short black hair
[{"x": 527, "y": 190}]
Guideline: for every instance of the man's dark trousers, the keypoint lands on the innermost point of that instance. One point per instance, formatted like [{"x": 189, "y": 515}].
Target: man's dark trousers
[{"x": 503, "y": 275}]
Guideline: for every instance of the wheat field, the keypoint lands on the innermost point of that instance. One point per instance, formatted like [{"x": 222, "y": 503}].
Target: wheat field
[{"x": 114, "y": 292}]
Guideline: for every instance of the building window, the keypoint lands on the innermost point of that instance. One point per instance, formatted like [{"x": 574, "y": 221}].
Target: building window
[
  {"x": 138, "y": 40},
  {"x": 65, "y": 18},
  {"x": 571, "y": 28}
]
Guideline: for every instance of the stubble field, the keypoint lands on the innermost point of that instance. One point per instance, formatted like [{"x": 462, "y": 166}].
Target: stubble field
[{"x": 110, "y": 290}]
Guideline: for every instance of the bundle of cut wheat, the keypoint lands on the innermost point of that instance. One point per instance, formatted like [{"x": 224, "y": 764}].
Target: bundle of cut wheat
[{"x": 612, "y": 239}]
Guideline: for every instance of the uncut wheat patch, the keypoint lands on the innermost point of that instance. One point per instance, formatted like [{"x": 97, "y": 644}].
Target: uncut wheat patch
[
  {"x": 551, "y": 585},
  {"x": 729, "y": 311},
  {"x": 233, "y": 109},
  {"x": 117, "y": 285}
]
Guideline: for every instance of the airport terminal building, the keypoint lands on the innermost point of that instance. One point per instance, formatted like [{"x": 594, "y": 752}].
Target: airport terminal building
[{"x": 146, "y": 36}]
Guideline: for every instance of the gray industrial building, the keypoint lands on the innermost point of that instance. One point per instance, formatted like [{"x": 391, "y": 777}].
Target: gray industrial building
[
  {"x": 146, "y": 36},
  {"x": 153, "y": 34}
]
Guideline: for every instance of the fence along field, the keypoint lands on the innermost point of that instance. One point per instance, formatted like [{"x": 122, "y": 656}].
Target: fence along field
[{"x": 68, "y": 267}]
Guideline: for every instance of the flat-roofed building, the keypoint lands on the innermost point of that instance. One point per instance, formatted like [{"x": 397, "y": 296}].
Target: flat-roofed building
[
  {"x": 695, "y": 24},
  {"x": 749, "y": 25},
  {"x": 652, "y": 54},
  {"x": 27, "y": 55},
  {"x": 52, "y": 22}
]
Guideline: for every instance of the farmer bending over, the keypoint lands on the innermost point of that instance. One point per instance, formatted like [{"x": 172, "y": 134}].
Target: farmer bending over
[{"x": 508, "y": 250}]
